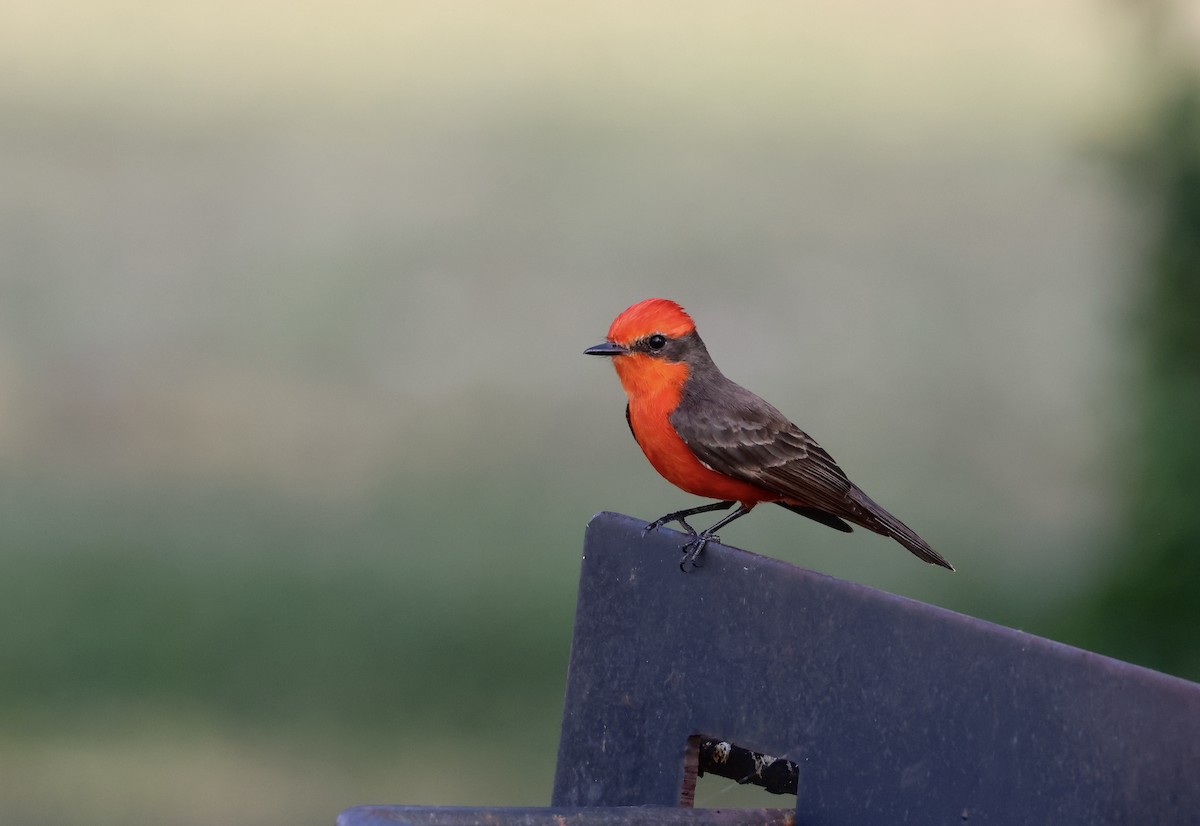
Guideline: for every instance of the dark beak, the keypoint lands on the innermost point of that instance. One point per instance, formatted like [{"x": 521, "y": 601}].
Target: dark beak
[{"x": 606, "y": 348}]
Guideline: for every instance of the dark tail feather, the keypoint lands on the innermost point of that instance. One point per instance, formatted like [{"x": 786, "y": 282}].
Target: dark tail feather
[
  {"x": 818, "y": 516},
  {"x": 877, "y": 519}
]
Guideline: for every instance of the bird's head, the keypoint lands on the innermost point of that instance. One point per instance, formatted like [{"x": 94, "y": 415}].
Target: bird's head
[{"x": 652, "y": 344}]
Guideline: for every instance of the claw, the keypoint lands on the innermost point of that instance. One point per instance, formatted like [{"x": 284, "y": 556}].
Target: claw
[{"x": 692, "y": 551}]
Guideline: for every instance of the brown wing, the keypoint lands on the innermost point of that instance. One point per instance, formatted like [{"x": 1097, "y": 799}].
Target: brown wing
[
  {"x": 744, "y": 437},
  {"x": 736, "y": 433}
]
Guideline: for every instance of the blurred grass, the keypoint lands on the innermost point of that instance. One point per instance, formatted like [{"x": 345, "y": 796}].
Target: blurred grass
[
  {"x": 160, "y": 645},
  {"x": 264, "y": 613}
]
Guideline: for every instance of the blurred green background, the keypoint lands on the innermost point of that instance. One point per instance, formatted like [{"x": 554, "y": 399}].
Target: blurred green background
[{"x": 297, "y": 443}]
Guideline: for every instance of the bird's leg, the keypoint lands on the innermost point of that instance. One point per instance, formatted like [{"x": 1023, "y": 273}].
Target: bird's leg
[
  {"x": 681, "y": 517},
  {"x": 692, "y": 549}
]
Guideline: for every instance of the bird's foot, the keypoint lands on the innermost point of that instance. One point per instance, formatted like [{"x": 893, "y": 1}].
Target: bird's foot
[
  {"x": 693, "y": 549},
  {"x": 681, "y": 517},
  {"x": 678, "y": 516}
]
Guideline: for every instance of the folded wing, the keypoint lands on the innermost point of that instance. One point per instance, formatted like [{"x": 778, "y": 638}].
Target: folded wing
[{"x": 745, "y": 437}]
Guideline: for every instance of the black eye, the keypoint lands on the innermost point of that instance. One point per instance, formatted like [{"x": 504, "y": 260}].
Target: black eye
[{"x": 656, "y": 341}]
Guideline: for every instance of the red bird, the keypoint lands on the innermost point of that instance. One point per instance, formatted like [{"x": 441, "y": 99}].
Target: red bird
[{"x": 713, "y": 438}]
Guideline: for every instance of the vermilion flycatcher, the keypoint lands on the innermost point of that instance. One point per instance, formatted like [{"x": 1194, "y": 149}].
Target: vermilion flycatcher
[{"x": 715, "y": 439}]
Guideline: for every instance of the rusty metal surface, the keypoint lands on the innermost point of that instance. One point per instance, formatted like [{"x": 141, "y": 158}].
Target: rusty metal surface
[
  {"x": 729, "y": 760},
  {"x": 893, "y": 710},
  {"x": 614, "y": 816}
]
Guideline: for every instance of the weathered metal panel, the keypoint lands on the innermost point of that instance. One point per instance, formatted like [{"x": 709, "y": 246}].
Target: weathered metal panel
[{"x": 895, "y": 711}]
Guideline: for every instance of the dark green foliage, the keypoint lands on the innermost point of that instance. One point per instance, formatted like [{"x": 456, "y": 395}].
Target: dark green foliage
[{"x": 1148, "y": 609}]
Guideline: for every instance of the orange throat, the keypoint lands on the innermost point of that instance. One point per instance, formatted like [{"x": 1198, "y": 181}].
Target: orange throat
[{"x": 646, "y": 379}]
